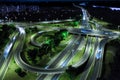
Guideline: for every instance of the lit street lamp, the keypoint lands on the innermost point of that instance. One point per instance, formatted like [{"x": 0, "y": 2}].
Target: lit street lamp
[{"x": 118, "y": 27}]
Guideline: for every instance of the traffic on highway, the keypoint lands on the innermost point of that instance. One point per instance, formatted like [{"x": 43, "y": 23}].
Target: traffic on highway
[{"x": 84, "y": 37}]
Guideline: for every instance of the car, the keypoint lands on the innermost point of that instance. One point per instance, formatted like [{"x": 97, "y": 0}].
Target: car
[
  {"x": 106, "y": 33},
  {"x": 98, "y": 55}
]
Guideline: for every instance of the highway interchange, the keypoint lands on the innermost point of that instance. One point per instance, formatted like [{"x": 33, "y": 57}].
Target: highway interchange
[{"x": 92, "y": 39}]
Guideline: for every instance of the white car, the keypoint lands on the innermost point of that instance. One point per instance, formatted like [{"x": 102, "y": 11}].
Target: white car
[{"x": 98, "y": 55}]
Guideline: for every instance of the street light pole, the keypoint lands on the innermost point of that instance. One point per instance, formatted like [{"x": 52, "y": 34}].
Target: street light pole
[{"x": 118, "y": 27}]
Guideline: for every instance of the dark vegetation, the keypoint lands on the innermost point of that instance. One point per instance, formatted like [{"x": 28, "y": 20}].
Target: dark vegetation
[
  {"x": 112, "y": 27},
  {"x": 114, "y": 66},
  {"x": 20, "y": 72},
  {"x": 5, "y": 31},
  {"x": 37, "y": 54},
  {"x": 73, "y": 72},
  {"x": 106, "y": 14},
  {"x": 32, "y": 30}
]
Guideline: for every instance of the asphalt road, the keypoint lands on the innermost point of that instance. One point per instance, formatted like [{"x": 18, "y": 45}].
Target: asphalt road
[
  {"x": 90, "y": 62},
  {"x": 98, "y": 60},
  {"x": 9, "y": 51},
  {"x": 80, "y": 42},
  {"x": 65, "y": 52},
  {"x": 43, "y": 70},
  {"x": 85, "y": 24},
  {"x": 59, "y": 64}
]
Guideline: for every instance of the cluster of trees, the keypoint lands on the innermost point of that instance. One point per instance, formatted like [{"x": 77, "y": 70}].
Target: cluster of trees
[
  {"x": 75, "y": 23},
  {"x": 53, "y": 41},
  {"x": 5, "y": 32},
  {"x": 32, "y": 53},
  {"x": 32, "y": 30},
  {"x": 46, "y": 48},
  {"x": 115, "y": 43},
  {"x": 20, "y": 72},
  {"x": 74, "y": 72},
  {"x": 111, "y": 60}
]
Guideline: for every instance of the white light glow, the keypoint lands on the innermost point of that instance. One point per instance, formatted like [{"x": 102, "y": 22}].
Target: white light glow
[{"x": 114, "y": 8}]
